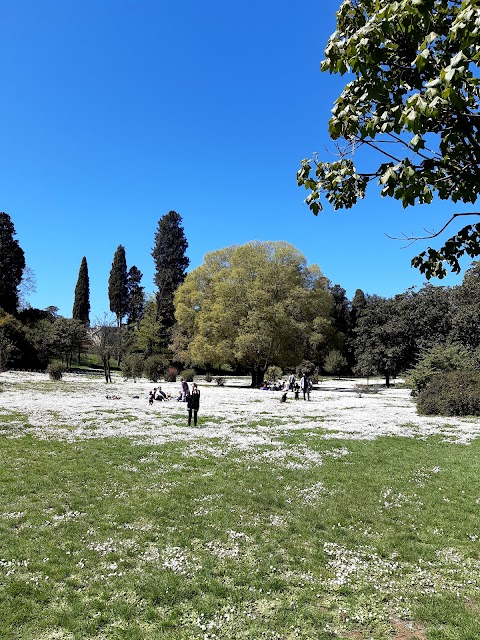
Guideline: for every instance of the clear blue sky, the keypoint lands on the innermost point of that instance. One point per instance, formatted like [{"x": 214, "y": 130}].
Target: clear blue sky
[{"x": 114, "y": 112}]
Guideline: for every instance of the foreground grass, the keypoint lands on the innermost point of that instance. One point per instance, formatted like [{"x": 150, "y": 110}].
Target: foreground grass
[{"x": 106, "y": 539}]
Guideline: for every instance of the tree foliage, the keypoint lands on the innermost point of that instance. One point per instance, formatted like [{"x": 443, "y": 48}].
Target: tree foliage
[
  {"x": 438, "y": 359},
  {"x": 12, "y": 265},
  {"x": 136, "y": 296},
  {"x": 171, "y": 264},
  {"x": 16, "y": 345},
  {"x": 384, "y": 340},
  {"x": 451, "y": 393},
  {"x": 254, "y": 305},
  {"x": 118, "y": 285},
  {"x": 466, "y": 304},
  {"x": 335, "y": 362},
  {"x": 67, "y": 338},
  {"x": 81, "y": 303},
  {"x": 149, "y": 335},
  {"x": 414, "y": 83}
]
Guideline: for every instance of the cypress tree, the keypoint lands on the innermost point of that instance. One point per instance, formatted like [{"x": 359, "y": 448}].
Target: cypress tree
[
  {"x": 117, "y": 285},
  {"x": 170, "y": 266},
  {"x": 12, "y": 264},
  {"x": 136, "y": 296},
  {"x": 81, "y": 304},
  {"x": 359, "y": 303}
]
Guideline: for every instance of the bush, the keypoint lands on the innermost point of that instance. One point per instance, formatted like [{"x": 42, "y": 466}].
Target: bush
[
  {"x": 455, "y": 393},
  {"x": 170, "y": 374},
  {"x": 56, "y": 370},
  {"x": 208, "y": 377},
  {"x": 154, "y": 367},
  {"x": 133, "y": 366},
  {"x": 188, "y": 374},
  {"x": 273, "y": 373},
  {"x": 440, "y": 358},
  {"x": 220, "y": 381}
]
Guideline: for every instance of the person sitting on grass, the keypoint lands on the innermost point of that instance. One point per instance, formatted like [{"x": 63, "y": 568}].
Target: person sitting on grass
[{"x": 160, "y": 395}]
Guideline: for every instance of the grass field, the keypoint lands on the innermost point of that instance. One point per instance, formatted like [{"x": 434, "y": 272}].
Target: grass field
[{"x": 251, "y": 526}]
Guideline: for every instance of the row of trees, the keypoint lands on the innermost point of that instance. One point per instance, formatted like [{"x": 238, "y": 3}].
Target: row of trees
[
  {"x": 30, "y": 338},
  {"x": 245, "y": 308}
]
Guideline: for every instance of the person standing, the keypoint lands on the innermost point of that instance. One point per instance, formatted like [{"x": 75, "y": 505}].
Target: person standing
[
  {"x": 291, "y": 382},
  {"x": 193, "y": 404},
  {"x": 305, "y": 386}
]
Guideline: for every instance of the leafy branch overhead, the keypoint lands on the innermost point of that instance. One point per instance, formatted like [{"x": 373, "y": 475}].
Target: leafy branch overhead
[{"x": 414, "y": 100}]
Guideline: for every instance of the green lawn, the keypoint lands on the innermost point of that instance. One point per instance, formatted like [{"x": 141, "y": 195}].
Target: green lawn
[{"x": 106, "y": 539}]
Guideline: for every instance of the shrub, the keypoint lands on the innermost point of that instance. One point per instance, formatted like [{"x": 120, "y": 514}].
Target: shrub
[
  {"x": 454, "y": 393},
  {"x": 440, "y": 358},
  {"x": 273, "y": 373},
  {"x": 56, "y": 370},
  {"x": 220, "y": 381},
  {"x": 188, "y": 374},
  {"x": 133, "y": 366},
  {"x": 154, "y": 367},
  {"x": 208, "y": 377},
  {"x": 170, "y": 374}
]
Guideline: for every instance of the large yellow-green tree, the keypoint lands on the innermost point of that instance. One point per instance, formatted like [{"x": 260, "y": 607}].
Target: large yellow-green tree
[{"x": 252, "y": 306}]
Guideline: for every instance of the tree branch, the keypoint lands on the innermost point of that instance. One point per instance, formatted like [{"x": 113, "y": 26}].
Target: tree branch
[{"x": 413, "y": 239}]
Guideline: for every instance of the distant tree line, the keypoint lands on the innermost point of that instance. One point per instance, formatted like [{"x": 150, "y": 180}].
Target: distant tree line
[{"x": 244, "y": 309}]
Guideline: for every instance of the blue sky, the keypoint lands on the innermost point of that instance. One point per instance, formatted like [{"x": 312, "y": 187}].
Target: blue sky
[{"x": 115, "y": 112}]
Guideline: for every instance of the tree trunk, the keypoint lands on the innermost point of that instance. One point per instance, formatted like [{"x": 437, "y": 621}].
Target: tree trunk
[
  {"x": 119, "y": 340},
  {"x": 387, "y": 379},
  {"x": 258, "y": 374}
]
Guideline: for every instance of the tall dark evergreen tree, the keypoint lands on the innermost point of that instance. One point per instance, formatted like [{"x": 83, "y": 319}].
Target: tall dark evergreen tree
[
  {"x": 341, "y": 308},
  {"x": 170, "y": 266},
  {"x": 136, "y": 296},
  {"x": 12, "y": 264},
  {"x": 359, "y": 303},
  {"x": 81, "y": 304},
  {"x": 117, "y": 285}
]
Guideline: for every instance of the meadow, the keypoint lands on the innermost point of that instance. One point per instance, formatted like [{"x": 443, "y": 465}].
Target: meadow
[{"x": 349, "y": 516}]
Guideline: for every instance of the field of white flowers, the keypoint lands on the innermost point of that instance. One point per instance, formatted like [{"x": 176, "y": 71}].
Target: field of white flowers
[
  {"x": 348, "y": 516},
  {"x": 240, "y": 416}
]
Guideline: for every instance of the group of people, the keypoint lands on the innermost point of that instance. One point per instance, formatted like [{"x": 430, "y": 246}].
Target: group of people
[
  {"x": 156, "y": 394},
  {"x": 305, "y": 385},
  {"x": 276, "y": 386},
  {"x": 192, "y": 398}
]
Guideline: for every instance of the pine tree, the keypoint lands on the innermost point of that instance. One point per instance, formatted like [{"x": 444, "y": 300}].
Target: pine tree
[
  {"x": 81, "y": 304},
  {"x": 117, "y": 285},
  {"x": 136, "y": 296},
  {"x": 12, "y": 264},
  {"x": 170, "y": 266}
]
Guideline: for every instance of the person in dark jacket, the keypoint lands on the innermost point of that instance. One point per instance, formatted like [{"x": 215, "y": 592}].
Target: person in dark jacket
[{"x": 193, "y": 404}]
